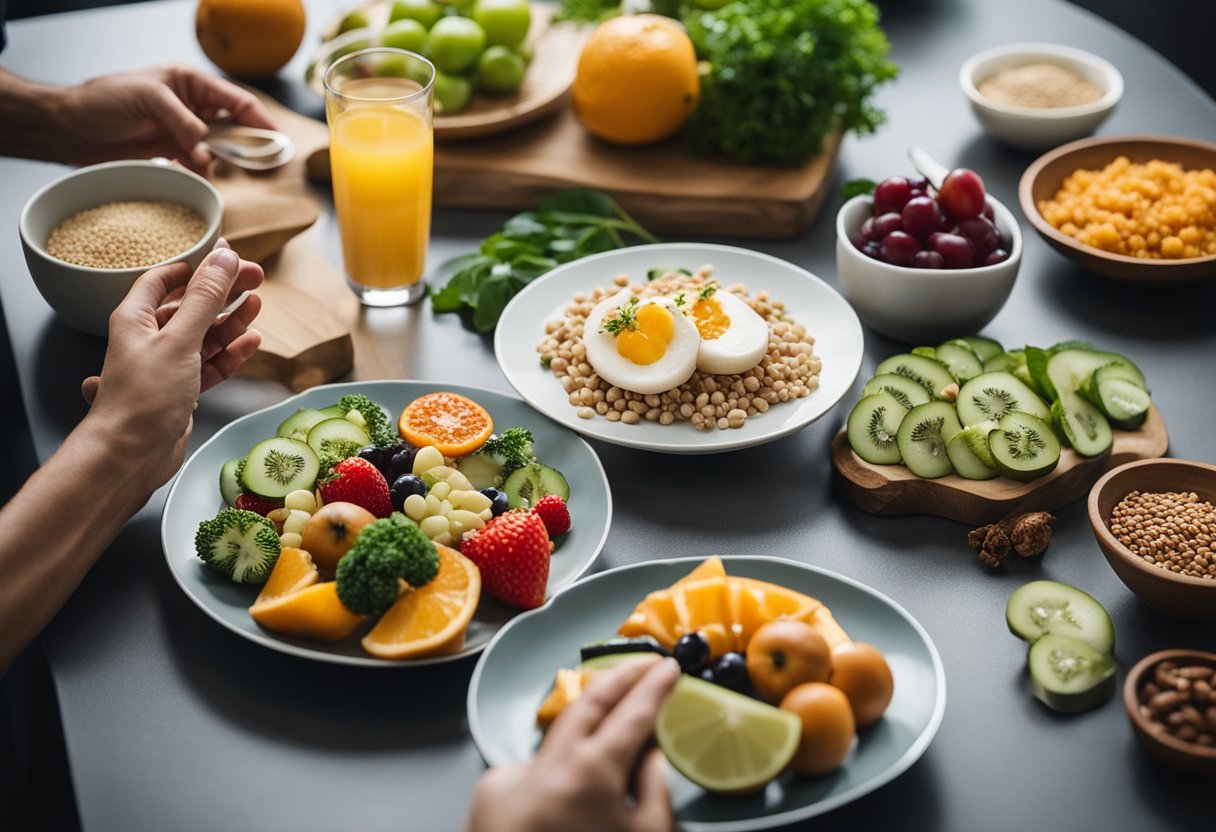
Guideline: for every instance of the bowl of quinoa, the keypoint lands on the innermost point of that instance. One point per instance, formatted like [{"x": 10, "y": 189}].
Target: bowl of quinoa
[{"x": 90, "y": 234}]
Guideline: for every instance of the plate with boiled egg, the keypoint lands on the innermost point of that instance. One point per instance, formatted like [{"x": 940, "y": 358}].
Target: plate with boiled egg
[{"x": 683, "y": 348}]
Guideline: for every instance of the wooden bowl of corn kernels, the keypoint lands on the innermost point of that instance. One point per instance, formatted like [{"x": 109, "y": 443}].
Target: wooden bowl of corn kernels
[
  {"x": 1133, "y": 208},
  {"x": 1155, "y": 522}
]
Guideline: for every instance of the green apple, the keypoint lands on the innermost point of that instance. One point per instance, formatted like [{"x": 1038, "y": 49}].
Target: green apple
[
  {"x": 454, "y": 44},
  {"x": 405, "y": 34},
  {"x": 505, "y": 22},
  {"x": 500, "y": 70},
  {"x": 452, "y": 93},
  {"x": 425, "y": 12}
]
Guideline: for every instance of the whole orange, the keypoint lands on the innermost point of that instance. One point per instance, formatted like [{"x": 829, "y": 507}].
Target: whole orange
[
  {"x": 785, "y": 653},
  {"x": 827, "y": 727},
  {"x": 249, "y": 39},
  {"x": 637, "y": 79},
  {"x": 861, "y": 672}
]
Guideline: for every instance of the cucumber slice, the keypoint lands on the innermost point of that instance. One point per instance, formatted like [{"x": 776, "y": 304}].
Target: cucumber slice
[
  {"x": 1122, "y": 401},
  {"x": 276, "y": 467},
  {"x": 1042, "y": 607},
  {"x": 334, "y": 412},
  {"x": 1005, "y": 362},
  {"x": 970, "y": 455},
  {"x": 1024, "y": 446},
  {"x": 960, "y": 360},
  {"x": 873, "y": 425},
  {"x": 621, "y": 647},
  {"x": 335, "y": 435},
  {"x": 985, "y": 348},
  {"x": 297, "y": 425},
  {"x": 991, "y": 396},
  {"x": 527, "y": 485},
  {"x": 925, "y": 352},
  {"x": 1036, "y": 368},
  {"x": 1069, "y": 368},
  {"x": 1080, "y": 425},
  {"x": 230, "y": 486},
  {"x": 923, "y": 436},
  {"x": 928, "y": 373},
  {"x": 1069, "y": 675},
  {"x": 904, "y": 390}
]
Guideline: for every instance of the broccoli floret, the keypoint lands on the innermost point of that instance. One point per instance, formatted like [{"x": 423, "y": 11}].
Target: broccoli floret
[
  {"x": 385, "y": 551},
  {"x": 241, "y": 544},
  {"x": 377, "y": 424},
  {"x": 334, "y": 451},
  {"x": 500, "y": 457}
]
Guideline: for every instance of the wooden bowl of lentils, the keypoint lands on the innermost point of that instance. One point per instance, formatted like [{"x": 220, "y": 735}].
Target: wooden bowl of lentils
[
  {"x": 1170, "y": 698},
  {"x": 1155, "y": 521}
]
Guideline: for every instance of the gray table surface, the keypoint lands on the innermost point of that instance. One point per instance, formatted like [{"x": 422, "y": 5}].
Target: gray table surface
[{"x": 174, "y": 723}]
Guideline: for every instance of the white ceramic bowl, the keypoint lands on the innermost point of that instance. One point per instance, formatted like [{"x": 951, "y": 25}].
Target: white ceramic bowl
[
  {"x": 922, "y": 305},
  {"x": 84, "y": 297},
  {"x": 1040, "y": 128}
]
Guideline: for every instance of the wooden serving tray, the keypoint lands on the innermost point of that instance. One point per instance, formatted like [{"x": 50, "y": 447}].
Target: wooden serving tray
[{"x": 894, "y": 490}]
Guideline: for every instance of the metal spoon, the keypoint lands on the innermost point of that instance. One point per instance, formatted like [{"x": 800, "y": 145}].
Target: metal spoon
[{"x": 252, "y": 148}]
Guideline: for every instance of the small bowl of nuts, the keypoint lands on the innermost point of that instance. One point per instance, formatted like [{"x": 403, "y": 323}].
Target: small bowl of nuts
[
  {"x": 1170, "y": 698},
  {"x": 1155, "y": 521},
  {"x": 91, "y": 233}
]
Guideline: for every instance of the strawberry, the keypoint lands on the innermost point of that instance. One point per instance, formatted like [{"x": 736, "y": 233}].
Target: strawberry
[
  {"x": 357, "y": 481},
  {"x": 512, "y": 552},
  {"x": 257, "y": 504},
  {"x": 552, "y": 510}
]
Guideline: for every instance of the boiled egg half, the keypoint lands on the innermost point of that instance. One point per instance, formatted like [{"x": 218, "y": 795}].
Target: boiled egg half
[
  {"x": 733, "y": 336},
  {"x": 645, "y": 345}
]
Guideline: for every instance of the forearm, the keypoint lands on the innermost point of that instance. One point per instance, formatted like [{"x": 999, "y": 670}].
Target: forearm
[
  {"x": 55, "y": 528},
  {"x": 32, "y": 118}
]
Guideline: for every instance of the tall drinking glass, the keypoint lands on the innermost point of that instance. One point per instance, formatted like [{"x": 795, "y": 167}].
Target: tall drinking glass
[{"x": 378, "y": 103}]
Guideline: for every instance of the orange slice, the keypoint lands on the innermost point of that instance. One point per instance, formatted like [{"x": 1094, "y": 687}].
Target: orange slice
[
  {"x": 430, "y": 621},
  {"x": 293, "y": 571},
  {"x": 453, "y": 424},
  {"x": 711, "y": 567},
  {"x": 311, "y": 612}
]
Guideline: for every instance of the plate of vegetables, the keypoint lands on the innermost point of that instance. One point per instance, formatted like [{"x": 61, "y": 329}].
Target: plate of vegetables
[{"x": 384, "y": 523}]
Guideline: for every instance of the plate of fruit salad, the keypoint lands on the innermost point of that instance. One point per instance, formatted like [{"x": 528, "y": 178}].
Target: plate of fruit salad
[
  {"x": 802, "y": 690},
  {"x": 684, "y": 348},
  {"x": 384, "y": 522}
]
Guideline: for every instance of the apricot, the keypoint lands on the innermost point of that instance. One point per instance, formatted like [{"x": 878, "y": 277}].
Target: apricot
[
  {"x": 784, "y": 654},
  {"x": 332, "y": 531}
]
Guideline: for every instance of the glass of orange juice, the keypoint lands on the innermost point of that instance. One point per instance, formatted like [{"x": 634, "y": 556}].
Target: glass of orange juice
[{"x": 379, "y": 105}]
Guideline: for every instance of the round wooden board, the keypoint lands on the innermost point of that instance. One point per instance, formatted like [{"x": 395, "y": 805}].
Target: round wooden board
[{"x": 894, "y": 490}]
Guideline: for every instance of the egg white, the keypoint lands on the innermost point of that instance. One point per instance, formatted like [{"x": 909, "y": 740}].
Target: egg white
[
  {"x": 674, "y": 368},
  {"x": 741, "y": 346}
]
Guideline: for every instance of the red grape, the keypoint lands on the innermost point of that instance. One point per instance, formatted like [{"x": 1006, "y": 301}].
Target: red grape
[
  {"x": 962, "y": 194},
  {"x": 891, "y": 195},
  {"x": 858, "y": 239},
  {"x": 997, "y": 256},
  {"x": 928, "y": 260},
  {"x": 988, "y": 213},
  {"x": 920, "y": 216},
  {"x": 899, "y": 247},
  {"x": 982, "y": 234},
  {"x": 867, "y": 229},
  {"x": 872, "y": 248},
  {"x": 885, "y": 224},
  {"x": 957, "y": 252}
]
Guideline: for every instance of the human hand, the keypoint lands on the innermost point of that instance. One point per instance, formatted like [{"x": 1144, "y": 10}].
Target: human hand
[
  {"x": 166, "y": 347},
  {"x": 161, "y": 111},
  {"x": 591, "y": 772}
]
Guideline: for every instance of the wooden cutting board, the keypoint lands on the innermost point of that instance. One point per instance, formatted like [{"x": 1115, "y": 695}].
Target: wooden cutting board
[{"x": 893, "y": 489}]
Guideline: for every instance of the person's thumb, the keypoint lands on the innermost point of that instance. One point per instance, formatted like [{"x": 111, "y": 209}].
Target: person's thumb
[
  {"x": 206, "y": 295},
  {"x": 186, "y": 128}
]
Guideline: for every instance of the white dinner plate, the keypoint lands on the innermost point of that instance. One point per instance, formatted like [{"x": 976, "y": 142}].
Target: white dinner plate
[
  {"x": 826, "y": 315},
  {"x": 516, "y": 672},
  {"x": 195, "y": 496}
]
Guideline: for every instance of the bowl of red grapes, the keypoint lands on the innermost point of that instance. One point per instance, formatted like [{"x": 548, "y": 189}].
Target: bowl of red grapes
[{"x": 917, "y": 260}]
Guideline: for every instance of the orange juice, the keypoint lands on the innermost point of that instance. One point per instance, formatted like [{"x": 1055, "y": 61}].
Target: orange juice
[{"x": 381, "y": 158}]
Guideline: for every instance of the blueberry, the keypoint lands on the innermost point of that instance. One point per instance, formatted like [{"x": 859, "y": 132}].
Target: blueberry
[
  {"x": 403, "y": 487},
  {"x": 730, "y": 671},
  {"x": 376, "y": 456},
  {"x": 692, "y": 652},
  {"x": 499, "y": 502},
  {"x": 708, "y": 675},
  {"x": 400, "y": 462}
]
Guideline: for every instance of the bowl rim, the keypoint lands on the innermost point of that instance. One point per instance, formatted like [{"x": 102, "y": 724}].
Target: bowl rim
[
  {"x": 1112, "y": 544},
  {"x": 1131, "y": 702},
  {"x": 1046, "y": 229},
  {"x": 213, "y": 226},
  {"x": 1110, "y": 96},
  {"x": 1015, "y": 253}
]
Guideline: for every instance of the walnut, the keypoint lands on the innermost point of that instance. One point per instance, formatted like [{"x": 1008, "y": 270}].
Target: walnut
[
  {"x": 992, "y": 542},
  {"x": 1031, "y": 533}
]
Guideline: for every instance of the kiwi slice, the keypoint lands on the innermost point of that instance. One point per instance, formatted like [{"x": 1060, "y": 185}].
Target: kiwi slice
[
  {"x": 970, "y": 455},
  {"x": 1024, "y": 446},
  {"x": 332, "y": 435},
  {"x": 960, "y": 359},
  {"x": 1005, "y": 362},
  {"x": 903, "y": 389},
  {"x": 527, "y": 485},
  {"x": 922, "y": 438},
  {"x": 985, "y": 348},
  {"x": 873, "y": 425},
  {"x": 1119, "y": 397},
  {"x": 276, "y": 467},
  {"x": 927, "y": 372},
  {"x": 1080, "y": 425},
  {"x": 993, "y": 395}
]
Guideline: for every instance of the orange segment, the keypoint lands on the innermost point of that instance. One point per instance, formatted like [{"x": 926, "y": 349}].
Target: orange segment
[
  {"x": 453, "y": 424},
  {"x": 293, "y": 571},
  {"x": 312, "y": 612},
  {"x": 430, "y": 621},
  {"x": 709, "y": 568},
  {"x": 656, "y": 617}
]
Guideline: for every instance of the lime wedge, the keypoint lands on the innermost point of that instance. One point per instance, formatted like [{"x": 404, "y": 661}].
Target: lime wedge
[{"x": 724, "y": 741}]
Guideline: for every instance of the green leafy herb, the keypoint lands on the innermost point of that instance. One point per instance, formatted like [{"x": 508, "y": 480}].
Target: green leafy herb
[
  {"x": 565, "y": 226},
  {"x": 858, "y": 187},
  {"x": 707, "y": 290},
  {"x": 679, "y": 299},
  {"x": 624, "y": 318}
]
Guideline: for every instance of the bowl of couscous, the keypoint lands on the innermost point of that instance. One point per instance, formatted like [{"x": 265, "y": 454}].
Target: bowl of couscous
[
  {"x": 1141, "y": 209},
  {"x": 88, "y": 235}
]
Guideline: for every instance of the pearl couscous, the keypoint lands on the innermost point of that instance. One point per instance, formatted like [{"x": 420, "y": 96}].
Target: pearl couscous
[
  {"x": 126, "y": 235},
  {"x": 1153, "y": 210}
]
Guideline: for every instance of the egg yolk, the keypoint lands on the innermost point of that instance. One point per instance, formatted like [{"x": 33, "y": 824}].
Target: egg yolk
[
  {"x": 648, "y": 342},
  {"x": 711, "y": 319}
]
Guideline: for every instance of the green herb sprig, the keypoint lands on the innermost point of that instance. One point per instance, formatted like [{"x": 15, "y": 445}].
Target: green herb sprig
[{"x": 623, "y": 319}]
